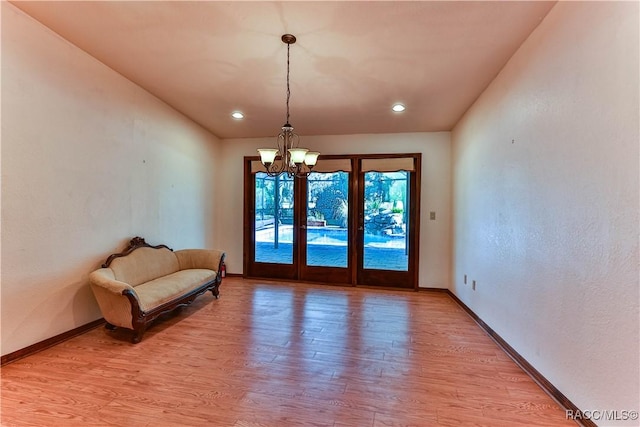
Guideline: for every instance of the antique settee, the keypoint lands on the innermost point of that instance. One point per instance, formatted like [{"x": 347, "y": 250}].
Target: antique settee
[{"x": 136, "y": 286}]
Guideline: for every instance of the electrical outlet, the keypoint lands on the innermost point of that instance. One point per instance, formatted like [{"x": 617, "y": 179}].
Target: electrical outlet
[
  {"x": 473, "y": 285},
  {"x": 432, "y": 215},
  {"x": 465, "y": 279}
]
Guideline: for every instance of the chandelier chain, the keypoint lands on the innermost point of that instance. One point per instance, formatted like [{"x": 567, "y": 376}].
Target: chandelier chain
[{"x": 288, "y": 90}]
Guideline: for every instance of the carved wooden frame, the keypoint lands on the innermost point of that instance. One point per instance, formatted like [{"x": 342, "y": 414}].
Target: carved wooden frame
[
  {"x": 140, "y": 318},
  {"x": 135, "y": 243}
]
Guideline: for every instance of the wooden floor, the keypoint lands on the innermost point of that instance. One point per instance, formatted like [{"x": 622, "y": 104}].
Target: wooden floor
[{"x": 276, "y": 354}]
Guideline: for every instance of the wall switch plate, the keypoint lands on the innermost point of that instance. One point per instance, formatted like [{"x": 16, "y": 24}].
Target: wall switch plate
[
  {"x": 465, "y": 279},
  {"x": 473, "y": 285},
  {"x": 432, "y": 215}
]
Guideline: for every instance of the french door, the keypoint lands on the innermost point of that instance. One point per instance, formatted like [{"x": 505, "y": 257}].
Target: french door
[{"x": 354, "y": 220}]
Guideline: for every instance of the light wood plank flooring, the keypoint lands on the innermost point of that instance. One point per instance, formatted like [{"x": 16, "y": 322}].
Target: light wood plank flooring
[{"x": 283, "y": 354}]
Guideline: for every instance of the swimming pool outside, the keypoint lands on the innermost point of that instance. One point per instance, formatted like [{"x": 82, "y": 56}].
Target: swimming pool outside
[
  {"x": 329, "y": 236},
  {"x": 327, "y": 246}
]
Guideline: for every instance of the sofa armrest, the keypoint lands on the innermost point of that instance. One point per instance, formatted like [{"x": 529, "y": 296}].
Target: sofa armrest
[
  {"x": 209, "y": 259},
  {"x": 105, "y": 278},
  {"x": 110, "y": 295}
]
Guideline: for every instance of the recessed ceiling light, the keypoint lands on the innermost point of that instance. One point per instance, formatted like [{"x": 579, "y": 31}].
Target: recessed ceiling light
[
  {"x": 237, "y": 115},
  {"x": 398, "y": 108}
]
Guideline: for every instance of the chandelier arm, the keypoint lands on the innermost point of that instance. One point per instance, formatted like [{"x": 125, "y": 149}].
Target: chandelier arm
[
  {"x": 302, "y": 171},
  {"x": 275, "y": 169}
]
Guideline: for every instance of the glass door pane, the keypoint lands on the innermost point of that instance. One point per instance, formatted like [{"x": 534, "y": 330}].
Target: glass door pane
[
  {"x": 327, "y": 223},
  {"x": 386, "y": 205},
  {"x": 273, "y": 219}
]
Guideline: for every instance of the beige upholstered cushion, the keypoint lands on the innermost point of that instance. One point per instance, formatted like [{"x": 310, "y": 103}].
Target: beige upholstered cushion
[
  {"x": 156, "y": 292},
  {"x": 143, "y": 265}
]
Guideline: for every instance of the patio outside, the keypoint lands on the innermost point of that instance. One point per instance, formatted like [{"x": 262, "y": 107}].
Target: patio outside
[{"x": 385, "y": 237}]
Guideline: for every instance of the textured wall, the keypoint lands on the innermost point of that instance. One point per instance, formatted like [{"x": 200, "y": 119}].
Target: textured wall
[
  {"x": 89, "y": 160},
  {"x": 435, "y": 240},
  {"x": 546, "y": 202}
]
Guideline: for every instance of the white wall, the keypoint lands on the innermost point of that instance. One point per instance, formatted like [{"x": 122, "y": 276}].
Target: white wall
[
  {"x": 434, "y": 265},
  {"x": 89, "y": 160},
  {"x": 546, "y": 202}
]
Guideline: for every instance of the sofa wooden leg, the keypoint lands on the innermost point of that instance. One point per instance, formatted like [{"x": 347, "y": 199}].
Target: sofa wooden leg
[
  {"x": 110, "y": 327},
  {"x": 215, "y": 292},
  {"x": 137, "y": 335}
]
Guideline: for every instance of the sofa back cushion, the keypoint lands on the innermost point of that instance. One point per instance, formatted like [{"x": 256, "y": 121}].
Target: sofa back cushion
[{"x": 144, "y": 264}]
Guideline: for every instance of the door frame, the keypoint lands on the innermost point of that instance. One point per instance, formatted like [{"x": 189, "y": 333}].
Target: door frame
[
  {"x": 323, "y": 274},
  {"x": 390, "y": 278},
  {"x": 354, "y": 274}
]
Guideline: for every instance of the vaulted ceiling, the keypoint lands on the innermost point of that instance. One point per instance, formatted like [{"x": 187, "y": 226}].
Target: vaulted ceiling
[{"x": 351, "y": 63}]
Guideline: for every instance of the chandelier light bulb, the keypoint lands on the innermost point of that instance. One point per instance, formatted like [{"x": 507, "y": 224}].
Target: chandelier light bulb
[
  {"x": 267, "y": 155},
  {"x": 297, "y": 155},
  {"x": 311, "y": 158}
]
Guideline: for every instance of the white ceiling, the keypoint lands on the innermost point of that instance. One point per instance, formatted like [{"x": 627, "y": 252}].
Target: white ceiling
[{"x": 352, "y": 61}]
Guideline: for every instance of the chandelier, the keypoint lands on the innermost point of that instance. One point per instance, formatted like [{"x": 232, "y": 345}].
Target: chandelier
[{"x": 288, "y": 157}]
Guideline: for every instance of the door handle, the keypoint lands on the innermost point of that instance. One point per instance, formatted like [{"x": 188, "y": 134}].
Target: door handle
[
  {"x": 304, "y": 227},
  {"x": 360, "y": 228}
]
